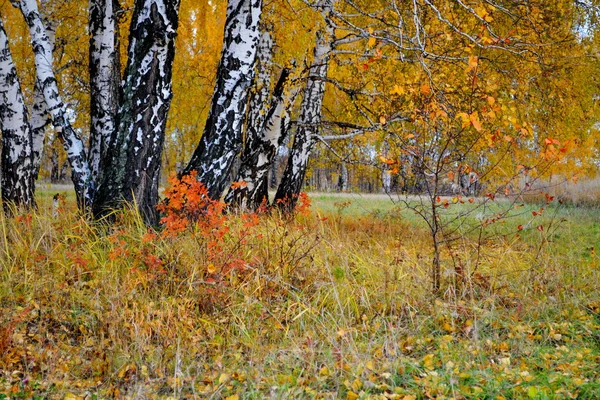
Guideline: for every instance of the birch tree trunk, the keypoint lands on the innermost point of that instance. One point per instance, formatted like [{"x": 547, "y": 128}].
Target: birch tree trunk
[
  {"x": 39, "y": 121},
  {"x": 18, "y": 180},
  {"x": 312, "y": 102},
  {"x": 221, "y": 141},
  {"x": 259, "y": 151},
  {"x": 257, "y": 113},
  {"x": 104, "y": 79},
  {"x": 134, "y": 155},
  {"x": 40, "y": 118},
  {"x": 42, "y": 49}
]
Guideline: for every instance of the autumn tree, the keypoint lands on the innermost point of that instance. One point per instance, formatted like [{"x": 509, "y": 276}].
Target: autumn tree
[
  {"x": 222, "y": 138},
  {"x": 266, "y": 129},
  {"x": 133, "y": 157},
  {"x": 312, "y": 100},
  {"x": 18, "y": 179}
]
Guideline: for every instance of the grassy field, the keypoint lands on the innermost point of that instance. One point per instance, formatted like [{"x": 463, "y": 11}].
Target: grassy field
[{"x": 334, "y": 303}]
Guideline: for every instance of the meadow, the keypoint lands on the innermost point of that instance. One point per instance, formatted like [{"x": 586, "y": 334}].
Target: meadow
[{"x": 335, "y": 302}]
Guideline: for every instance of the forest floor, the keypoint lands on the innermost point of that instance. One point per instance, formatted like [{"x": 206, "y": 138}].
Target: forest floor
[{"x": 336, "y": 302}]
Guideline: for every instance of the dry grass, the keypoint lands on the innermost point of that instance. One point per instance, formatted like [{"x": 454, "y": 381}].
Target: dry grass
[{"x": 329, "y": 306}]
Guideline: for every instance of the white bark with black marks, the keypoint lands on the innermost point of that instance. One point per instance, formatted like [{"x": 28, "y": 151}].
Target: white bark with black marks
[
  {"x": 17, "y": 169},
  {"x": 257, "y": 112},
  {"x": 312, "y": 102},
  {"x": 260, "y": 150},
  {"x": 135, "y": 152},
  {"x": 74, "y": 147},
  {"x": 104, "y": 79},
  {"x": 221, "y": 141},
  {"x": 40, "y": 118}
]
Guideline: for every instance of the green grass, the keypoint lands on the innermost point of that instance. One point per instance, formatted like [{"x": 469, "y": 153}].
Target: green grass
[{"x": 336, "y": 305}]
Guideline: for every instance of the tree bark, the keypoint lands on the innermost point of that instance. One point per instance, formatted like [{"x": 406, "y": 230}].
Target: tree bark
[
  {"x": 259, "y": 152},
  {"x": 306, "y": 132},
  {"x": 18, "y": 180},
  {"x": 262, "y": 133},
  {"x": 134, "y": 156},
  {"x": 39, "y": 121},
  {"x": 104, "y": 79},
  {"x": 222, "y": 138},
  {"x": 40, "y": 118},
  {"x": 42, "y": 48}
]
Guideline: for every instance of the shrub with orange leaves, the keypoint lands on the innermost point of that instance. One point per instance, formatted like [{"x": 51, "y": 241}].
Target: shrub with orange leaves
[{"x": 223, "y": 238}]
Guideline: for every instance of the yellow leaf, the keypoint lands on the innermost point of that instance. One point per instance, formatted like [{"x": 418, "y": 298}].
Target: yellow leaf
[
  {"x": 372, "y": 42},
  {"x": 233, "y": 397},
  {"x": 465, "y": 119},
  {"x": 491, "y": 100},
  {"x": 351, "y": 395},
  {"x": 397, "y": 90},
  {"x": 211, "y": 268},
  {"x": 410, "y": 136},
  {"x": 224, "y": 378},
  {"x": 473, "y": 61},
  {"x": 474, "y": 118},
  {"x": 382, "y": 120}
]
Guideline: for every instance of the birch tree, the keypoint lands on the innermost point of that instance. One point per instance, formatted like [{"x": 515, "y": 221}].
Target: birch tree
[
  {"x": 134, "y": 154},
  {"x": 18, "y": 178},
  {"x": 40, "y": 118},
  {"x": 104, "y": 78},
  {"x": 43, "y": 56},
  {"x": 265, "y": 130},
  {"x": 222, "y": 138},
  {"x": 312, "y": 102}
]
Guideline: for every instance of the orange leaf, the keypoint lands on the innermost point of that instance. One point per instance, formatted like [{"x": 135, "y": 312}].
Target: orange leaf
[{"x": 474, "y": 118}]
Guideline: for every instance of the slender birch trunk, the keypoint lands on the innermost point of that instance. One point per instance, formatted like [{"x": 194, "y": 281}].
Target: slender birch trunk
[
  {"x": 257, "y": 111},
  {"x": 260, "y": 149},
  {"x": 18, "y": 180},
  {"x": 222, "y": 138},
  {"x": 134, "y": 155},
  {"x": 306, "y": 132},
  {"x": 40, "y": 118},
  {"x": 104, "y": 79},
  {"x": 74, "y": 147}
]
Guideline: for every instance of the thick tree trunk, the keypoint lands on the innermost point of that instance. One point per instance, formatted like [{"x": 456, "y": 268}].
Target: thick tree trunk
[
  {"x": 18, "y": 180},
  {"x": 135, "y": 152},
  {"x": 42, "y": 48},
  {"x": 104, "y": 79},
  {"x": 221, "y": 141},
  {"x": 306, "y": 132}
]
